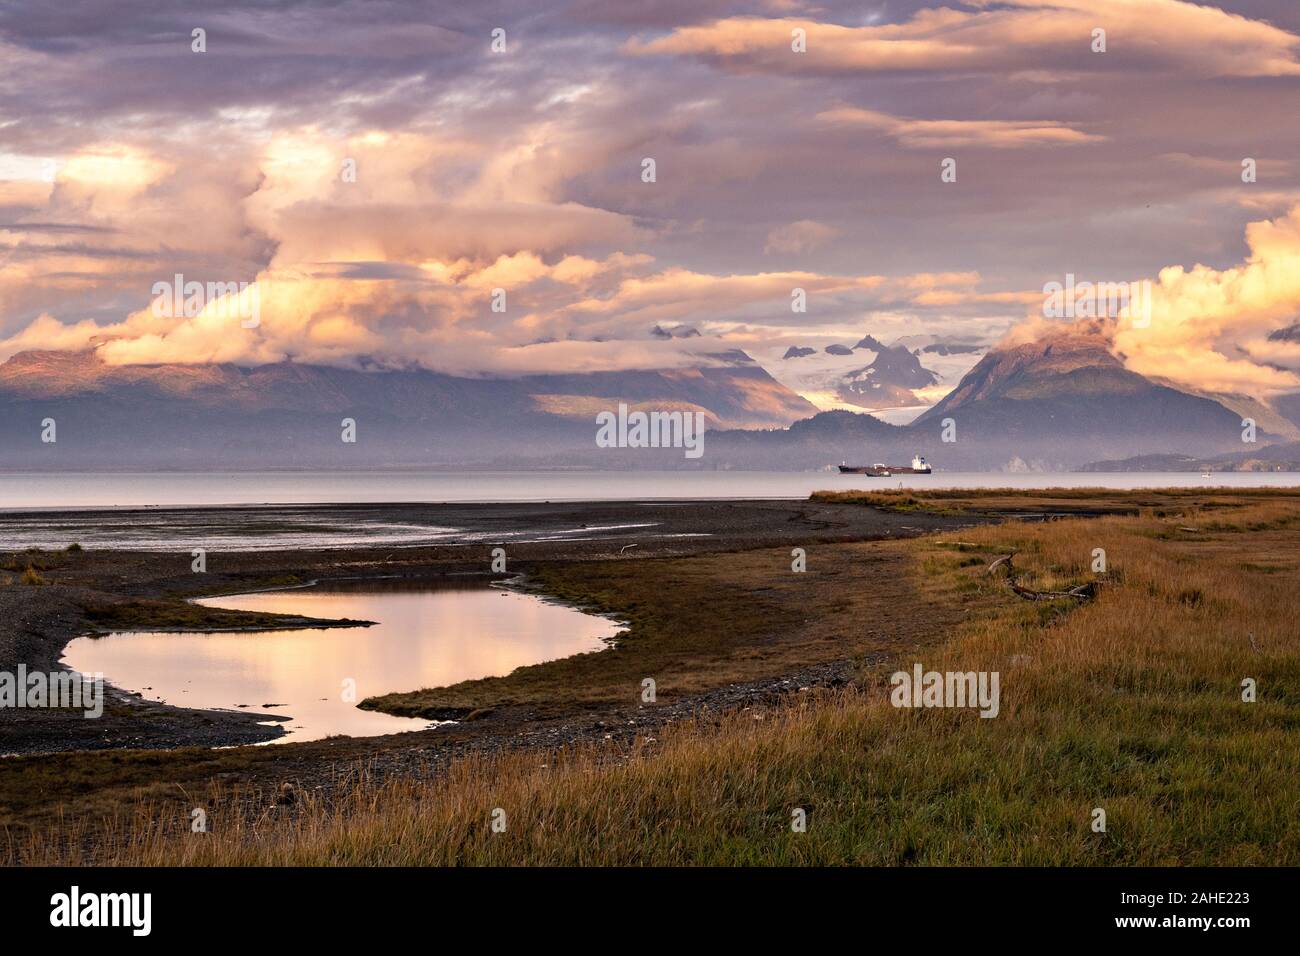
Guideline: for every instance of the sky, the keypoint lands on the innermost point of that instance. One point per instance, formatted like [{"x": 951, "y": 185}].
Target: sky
[{"x": 128, "y": 157}]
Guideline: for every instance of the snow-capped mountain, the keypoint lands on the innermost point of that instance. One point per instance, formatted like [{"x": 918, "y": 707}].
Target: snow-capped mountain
[{"x": 898, "y": 380}]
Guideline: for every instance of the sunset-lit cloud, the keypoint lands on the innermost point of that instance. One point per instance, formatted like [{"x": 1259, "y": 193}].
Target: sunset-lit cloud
[
  {"x": 378, "y": 193},
  {"x": 1209, "y": 327},
  {"x": 1004, "y": 34},
  {"x": 442, "y": 318},
  {"x": 119, "y": 172},
  {"x": 948, "y": 134}
]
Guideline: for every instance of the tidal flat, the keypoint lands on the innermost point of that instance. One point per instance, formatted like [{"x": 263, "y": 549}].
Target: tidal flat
[{"x": 741, "y": 646}]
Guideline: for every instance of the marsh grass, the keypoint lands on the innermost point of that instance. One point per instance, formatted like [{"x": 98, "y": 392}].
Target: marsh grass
[
  {"x": 705, "y": 621},
  {"x": 147, "y": 615},
  {"x": 1160, "y": 501},
  {"x": 1131, "y": 702}
]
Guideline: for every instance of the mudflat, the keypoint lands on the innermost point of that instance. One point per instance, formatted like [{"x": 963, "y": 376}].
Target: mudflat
[
  {"x": 742, "y": 647},
  {"x": 100, "y": 590}
]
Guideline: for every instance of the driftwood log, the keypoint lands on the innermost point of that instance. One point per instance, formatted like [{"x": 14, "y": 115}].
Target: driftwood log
[{"x": 1082, "y": 593}]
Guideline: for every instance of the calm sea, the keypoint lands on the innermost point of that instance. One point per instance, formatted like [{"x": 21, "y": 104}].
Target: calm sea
[
  {"x": 271, "y": 511},
  {"x": 65, "y": 490}
]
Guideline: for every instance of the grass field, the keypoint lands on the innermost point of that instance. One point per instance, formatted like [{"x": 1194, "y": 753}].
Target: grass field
[
  {"x": 1131, "y": 703},
  {"x": 704, "y": 621}
]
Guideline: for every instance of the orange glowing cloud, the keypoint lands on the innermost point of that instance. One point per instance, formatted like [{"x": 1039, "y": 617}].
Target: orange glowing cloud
[
  {"x": 1209, "y": 328},
  {"x": 944, "y": 134},
  {"x": 1016, "y": 34}
]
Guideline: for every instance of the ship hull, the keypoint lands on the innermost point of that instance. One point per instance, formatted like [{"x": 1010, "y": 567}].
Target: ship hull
[{"x": 881, "y": 472}]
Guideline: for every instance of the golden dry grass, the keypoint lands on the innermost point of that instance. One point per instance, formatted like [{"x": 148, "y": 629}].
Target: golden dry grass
[
  {"x": 1131, "y": 703},
  {"x": 706, "y": 621},
  {"x": 1083, "y": 500}
]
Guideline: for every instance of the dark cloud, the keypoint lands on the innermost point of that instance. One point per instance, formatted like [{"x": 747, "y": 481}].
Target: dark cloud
[
  {"x": 80, "y": 250},
  {"x": 54, "y": 227}
]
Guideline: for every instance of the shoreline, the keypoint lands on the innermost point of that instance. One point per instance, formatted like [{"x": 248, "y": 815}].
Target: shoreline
[
  {"x": 100, "y": 494},
  {"x": 97, "y": 591},
  {"x": 735, "y": 641}
]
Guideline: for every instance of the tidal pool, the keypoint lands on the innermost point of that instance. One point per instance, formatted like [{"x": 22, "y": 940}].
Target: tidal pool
[{"x": 426, "y": 635}]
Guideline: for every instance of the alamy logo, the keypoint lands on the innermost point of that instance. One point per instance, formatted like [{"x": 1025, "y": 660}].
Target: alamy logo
[
  {"x": 1096, "y": 300},
  {"x": 651, "y": 430},
  {"x": 66, "y": 690},
  {"x": 946, "y": 689},
  {"x": 219, "y": 300},
  {"x": 103, "y": 909}
]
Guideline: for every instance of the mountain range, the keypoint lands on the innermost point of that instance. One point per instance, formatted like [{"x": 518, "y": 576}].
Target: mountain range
[
  {"x": 1279, "y": 457},
  {"x": 289, "y": 414},
  {"x": 1057, "y": 403},
  {"x": 889, "y": 381},
  {"x": 874, "y": 376}
]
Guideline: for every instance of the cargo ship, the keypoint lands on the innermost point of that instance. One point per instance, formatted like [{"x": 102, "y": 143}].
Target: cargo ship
[{"x": 919, "y": 467}]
